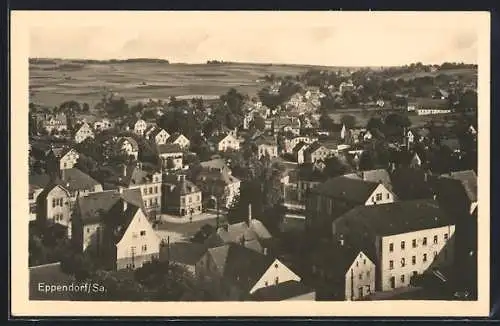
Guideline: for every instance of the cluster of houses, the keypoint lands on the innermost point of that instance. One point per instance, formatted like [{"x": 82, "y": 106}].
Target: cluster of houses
[{"x": 368, "y": 239}]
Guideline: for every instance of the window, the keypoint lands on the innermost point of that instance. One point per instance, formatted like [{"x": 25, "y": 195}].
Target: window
[
  {"x": 368, "y": 274},
  {"x": 145, "y": 191},
  {"x": 360, "y": 292},
  {"x": 357, "y": 263},
  {"x": 144, "y": 248},
  {"x": 143, "y": 233},
  {"x": 391, "y": 264},
  {"x": 446, "y": 237},
  {"x": 391, "y": 247},
  {"x": 388, "y": 196},
  {"x": 53, "y": 203},
  {"x": 146, "y": 203},
  {"x": 368, "y": 290},
  {"x": 402, "y": 245},
  {"x": 414, "y": 243},
  {"x": 415, "y": 273},
  {"x": 275, "y": 265},
  {"x": 276, "y": 280},
  {"x": 425, "y": 258},
  {"x": 266, "y": 283},
  {"x": 413, "y": 260},
  {"x": 435, "y": 239},
  {"x": 403, "y": 262},
  {"x": 150, "y": 202},
  {"x": 156, "y": 189},
  {"x": 392, "y": 280},
  {"x": 402, "y": 278},
  {"x": 424, "y": 241},
  {"x": 378, "y": 197},
  {"x": 150, "y": 190},
  {"x": 156, "y": 201},
  {"x": 88, "y": 230},
  {"x": 435, "y": 254},
  {"x": 364, "y": 261}
]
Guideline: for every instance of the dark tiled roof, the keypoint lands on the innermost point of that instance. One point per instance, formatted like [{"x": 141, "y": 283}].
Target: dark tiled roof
[
  {"x": 262, "y": 140},
  {"x": 182, "y": 187},
  {"x": 468, "y": 179},
  {"x": 377, "y": 175},
  {"x": 396, "y": 218},
  {"x": 314, "y": 147},
  {"x": 254, "y": 230},
  {"x": 187, "y": 253},
  {"x": 217, "y": 138},
  {"x": 352, "y": 190},
  {"x": 239, "y": 265},
  {"x": 95, "y": 206},
  {"x": 74, "y": 180},
  {"x": 343, "y": 256},
  {"x": 451, "y": 143},
  {"x": 168, "y": 148},
  {"x": 173, "y": 137},
  {"x": 155, "y": 132},
  {"x": 39, "y": 180},
  {"x": 119, "y": 223},
  {"x": 214, "y": 164},
  {"x": 281, "y": 291},
  {"x": 59, "y": 152},
  {"x": 223, "y": 176}
]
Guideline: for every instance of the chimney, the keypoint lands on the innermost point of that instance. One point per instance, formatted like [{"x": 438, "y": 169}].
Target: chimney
[
  {"x": 124, "y": 170},
  {"x": 265, "y": 251},
  {"x": 249, "y": 213},
  {"x": 181, "y": 178},
  {"x": 434, "y": 196},
  {"x": 125, "y": 205}
]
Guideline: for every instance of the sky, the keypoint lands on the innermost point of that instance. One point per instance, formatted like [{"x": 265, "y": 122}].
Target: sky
[{"x": 316, "y": 38}]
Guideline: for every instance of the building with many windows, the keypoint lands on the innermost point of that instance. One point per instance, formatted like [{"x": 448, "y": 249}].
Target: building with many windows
[{"x": 406, "y": 238}]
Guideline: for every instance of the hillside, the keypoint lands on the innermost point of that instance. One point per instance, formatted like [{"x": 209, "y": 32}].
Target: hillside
[{"x": 53, "y": 81}]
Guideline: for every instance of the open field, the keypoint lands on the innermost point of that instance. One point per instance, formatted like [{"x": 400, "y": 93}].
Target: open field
[
  {"x": 464, "y": 72},
  {"x": 52, "y": 83}
]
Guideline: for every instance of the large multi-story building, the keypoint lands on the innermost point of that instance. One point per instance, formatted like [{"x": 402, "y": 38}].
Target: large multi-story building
[{"x": 406, "y": 238}]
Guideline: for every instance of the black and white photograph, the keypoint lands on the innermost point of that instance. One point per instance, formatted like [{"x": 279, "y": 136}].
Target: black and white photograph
[{"x": 330, "y": 159}]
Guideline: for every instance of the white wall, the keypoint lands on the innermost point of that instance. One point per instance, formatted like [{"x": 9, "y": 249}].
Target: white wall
[
  {"x": 133, "y": 238},
  {"x": 387, "y": 196},
  {"x": 363, "y": 266},
  {"x": 276, "y": 272},
  {"x": 420, "y": 266}
]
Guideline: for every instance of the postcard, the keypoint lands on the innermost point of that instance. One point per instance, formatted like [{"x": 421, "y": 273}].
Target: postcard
[{"x": 249, "y": 163}]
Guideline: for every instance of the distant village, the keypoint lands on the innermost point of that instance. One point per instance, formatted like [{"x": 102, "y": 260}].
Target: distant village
[{"x": 263, "y": 198}]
